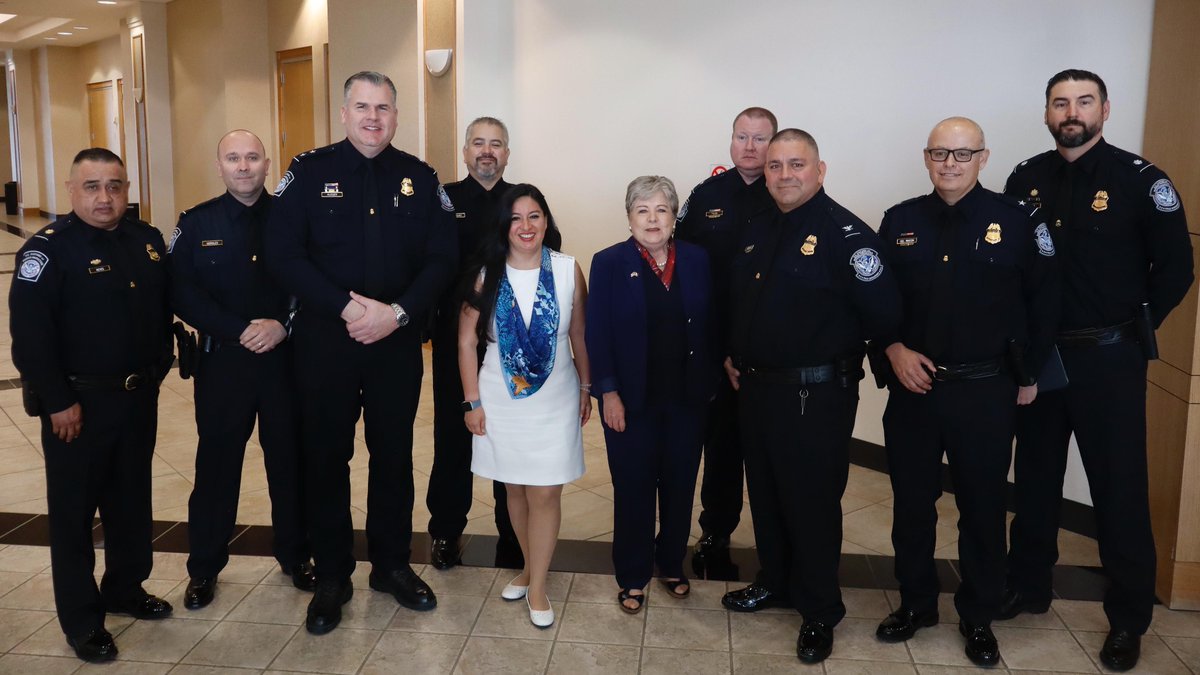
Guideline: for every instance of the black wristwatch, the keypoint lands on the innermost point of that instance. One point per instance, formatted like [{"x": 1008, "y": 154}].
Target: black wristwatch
[{"x": 468, "y": 406}]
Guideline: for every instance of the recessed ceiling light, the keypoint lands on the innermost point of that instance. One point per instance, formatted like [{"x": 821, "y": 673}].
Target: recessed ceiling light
[
  {"x": 64, "y": 33},
  {"x": 106, "y": 2},
  {"x": 50, "y": 38},
  {"x": 80, "y": 27}
]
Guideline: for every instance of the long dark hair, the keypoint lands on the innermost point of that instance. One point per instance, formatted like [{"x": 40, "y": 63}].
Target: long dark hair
[{"x": 493, "y": 252}]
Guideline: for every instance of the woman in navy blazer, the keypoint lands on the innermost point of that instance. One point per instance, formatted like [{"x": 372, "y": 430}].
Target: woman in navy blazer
[{"x": 654, "y": 368}]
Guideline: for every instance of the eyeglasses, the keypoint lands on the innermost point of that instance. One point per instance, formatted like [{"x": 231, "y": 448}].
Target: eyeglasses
[{"x": 960, "y": 154}]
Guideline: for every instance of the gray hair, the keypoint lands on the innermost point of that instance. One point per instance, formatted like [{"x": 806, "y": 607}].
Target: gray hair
[
  {"x": 370, "y": 77},
  {"x": 644, "y": 187},
  {"x": 486, "y": 120}
]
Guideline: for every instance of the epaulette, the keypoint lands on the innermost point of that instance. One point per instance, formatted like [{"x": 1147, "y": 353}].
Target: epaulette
[
  {"x": 1129, "y": 160},
  {"x": 323, "y": 150},
  {"x": 907, "y": 202},
  {"x": 711, "y": 179},
  {"x": 202, "y": 205},
  {"x": 1032, "y": 161},
  {"x": 418, "y": 160},
  {"x": 1012, "y": 202},
  {"x": 137, "y": 222},
  {"x": 57, "y": 226}
]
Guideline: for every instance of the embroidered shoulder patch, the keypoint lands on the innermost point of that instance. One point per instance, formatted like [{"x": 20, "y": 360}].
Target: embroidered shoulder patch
[
  {"x": 1163, "y": 193},
  {"x": 171, "y": 242},
  {"x": 32, "y": 265},
  {"x": 683, "y": 210},
  {"x": 284, "y": 183},
  {"x": 447, "y": 205},
  {"x": 867, "y": 264},
  {"x": 1044, "y": 243}
]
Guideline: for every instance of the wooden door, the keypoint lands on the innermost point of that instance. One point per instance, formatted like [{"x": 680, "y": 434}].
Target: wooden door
[
  {"x": 295, "y": 88},
  {"x": 102, "y": 117}
]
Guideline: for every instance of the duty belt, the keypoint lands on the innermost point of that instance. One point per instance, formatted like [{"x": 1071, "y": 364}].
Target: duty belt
[
  {"x": 978, "y": 370},
  {"x": 129, "y": 382},
  {"x": 1098, "y": 337},
  {"x": 809, "y": 375}
]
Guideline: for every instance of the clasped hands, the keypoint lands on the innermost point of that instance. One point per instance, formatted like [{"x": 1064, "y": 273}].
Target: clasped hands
[{"x": 368, "y": 320}]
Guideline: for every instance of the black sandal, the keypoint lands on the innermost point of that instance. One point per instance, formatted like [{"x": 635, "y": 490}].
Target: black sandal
[
  {"x": 625, "y": 595},
  {"x": 673, "y": 587}
]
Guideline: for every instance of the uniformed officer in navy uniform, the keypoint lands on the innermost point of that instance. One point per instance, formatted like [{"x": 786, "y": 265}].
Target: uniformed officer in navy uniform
[
  {"x": 812, "y": 288},
  {"x": 220, "y": 286},
  {"x": 363, "y": 235},
  {"x": 715, "y": 216},
  {"x": 476, "y": 199},
  {"x": 1127, "y": 262},
  {"x": 981, "y": 295},
  {"x": 90, "y": 328}
]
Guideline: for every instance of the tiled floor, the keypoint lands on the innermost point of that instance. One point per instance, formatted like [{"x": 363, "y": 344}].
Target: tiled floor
[{"x": 255, "y": 623}]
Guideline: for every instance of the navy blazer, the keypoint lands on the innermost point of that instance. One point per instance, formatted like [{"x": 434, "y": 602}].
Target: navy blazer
[{"x": 616, "y": 323}]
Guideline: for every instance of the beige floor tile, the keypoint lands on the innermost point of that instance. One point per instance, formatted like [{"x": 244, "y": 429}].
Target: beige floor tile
[
  {"x": 1076, "y": 549},
  {"x": 11, "y": 580},
  {"x": 1175, "y": 623},
  {"x": 597, "y": 588},
  {"x": 48, "y": 641},
  {"x": 1187, "y": 649},
  {"x": 22, "y": 486},
  {"x": 18, "y": 624},
  {"x": 23, "y": 664},
  {"x": 851, "y": 548},
  {"x": 20, "y": 460},
  {"x": 227, "y": 597},
  {"x": 686, "y": 629},
  {"x": 128, "y": 667},
  {"x": 870, "y": 527},
  {"x": 460, "y": 580},
  {"x": 941, "y": 645},
  {"x": 585, "y": 515},
  {"x": 852, "y": 503},
  {"x": 865, "y": 603},
  {"x": 764, "y": 633},
  {"x": 273, "y": 604},
  {"x": 848, "y": 667},
  {"x": 1081, "y": 616},
  {"x": 372, "y": 611},
  {"x": 249, "y": 569},
  {"x": 928, "y": 669},
  {"x": 455, "y": 614},
  {"x": 342, "y": 651},
  {"x": 241, "y": 645},
  {"x": 406, "y": 653},
  {"x": 169, "y": 566},
  {"x": 1157, "y": 657},
  {"x": 498, "y": 656},
  {"x": 855, "y": 639},
  {"x": 165, "y": 641},
  {"x": 770, "y": 664},
  {"x": 593, "y": 659},
  {"x": 659, "y": 661},
  {"x": 1029, "y": 648},
  {"x": 503, "y": 619},
  {"x": 37, "y": 593},
  {"x": 1044, "y": 620},
  {"x": 588, "y": 622}
]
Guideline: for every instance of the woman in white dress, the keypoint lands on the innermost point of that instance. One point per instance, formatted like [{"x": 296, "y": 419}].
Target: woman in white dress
[{"x": 527, "y": 403}]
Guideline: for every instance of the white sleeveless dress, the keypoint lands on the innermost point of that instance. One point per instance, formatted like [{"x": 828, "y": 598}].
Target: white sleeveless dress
[{"x": 536, "y": 440}]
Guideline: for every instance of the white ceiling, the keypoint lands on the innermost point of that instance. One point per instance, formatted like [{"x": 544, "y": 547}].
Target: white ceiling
[{"x": 36, "y": 20}]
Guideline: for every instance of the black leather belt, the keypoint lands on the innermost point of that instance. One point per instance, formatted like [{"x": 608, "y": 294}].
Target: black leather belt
[
  {"x": 142, "y": 378},
  {"x": 967, "y": 371},
  {"x": 809, "y": 375},
  {"x": 1098, "y": 337}
]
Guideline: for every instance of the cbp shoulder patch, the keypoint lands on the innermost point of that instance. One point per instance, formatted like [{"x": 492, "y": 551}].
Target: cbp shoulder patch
[
  {"x": 447, "y": 205},
  {"x": 1163, "y": 193},
  {"x": 683, "y": 210},
  {"x": 32, "y": 264},
  {"x": 171, "y": 243},
  {"x": 284, "y": 183},
  {"x": 1045, "y": 244},
  {"x": 867, "y": 264}
]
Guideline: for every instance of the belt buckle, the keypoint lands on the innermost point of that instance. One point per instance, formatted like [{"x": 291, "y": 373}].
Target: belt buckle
[
  {"x": 132, "y": 381},
  {"x": 939, "y": 373}
]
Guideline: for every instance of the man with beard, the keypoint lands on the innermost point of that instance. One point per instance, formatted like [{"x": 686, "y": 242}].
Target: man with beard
[
  {"x": 1120, "y": 230},
  {"x": 715, "y": 216},
  {"x": 475, "y": 198},
  {"x": 811, "y": 289}
]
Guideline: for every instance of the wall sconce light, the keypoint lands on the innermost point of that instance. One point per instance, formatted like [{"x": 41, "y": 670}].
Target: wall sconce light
[{"x": 437, "y": 61}]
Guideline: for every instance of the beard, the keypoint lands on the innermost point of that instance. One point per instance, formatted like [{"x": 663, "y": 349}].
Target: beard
[{"x": 1077, "y": 135}]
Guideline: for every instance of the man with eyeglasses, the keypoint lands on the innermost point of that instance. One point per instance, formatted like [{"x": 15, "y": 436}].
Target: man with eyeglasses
[
  {"x": 979, "y": 280},
  {"x": 1127, "y": 262}
]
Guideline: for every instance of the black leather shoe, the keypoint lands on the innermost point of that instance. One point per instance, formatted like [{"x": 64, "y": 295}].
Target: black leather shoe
[
  {"x": 815, "y": 642},
  {"x": 144, "y": 606},
  {"x": 1121, "y": 650},
  {"x": 711, "y": 543},
  {"x": 95, "y": 647},
  {"x": 981, "y": 647},
  {"x": 302, "y": 575},
  {"x": 408, "y": 588},
  {"x": 1014, "y": 603},
  {"x": 445, "y": 553},
  {"x": 903, "y": 623},
  {"x": 199, "y": 592},
  {"x": 752, "y": 598},
  {"x": 325, "y": 609}
]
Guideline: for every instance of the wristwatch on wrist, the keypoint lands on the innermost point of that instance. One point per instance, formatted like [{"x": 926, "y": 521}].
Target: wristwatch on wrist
[
  {"x": 468, "y": 406},
  {"x": 401, "y": 315}
]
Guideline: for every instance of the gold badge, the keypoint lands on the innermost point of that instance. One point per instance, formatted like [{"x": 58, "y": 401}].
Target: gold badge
[
  {"x": 714, "y": 213},
  {"x": 993, "y": 234},
  {"x": 152, "y": 253},
  {"x": 406, "y": 187},
  {"x": 1100, "y": 203},
  {"x": 1057, "y": 223},
  {"x": 810, "y": 245}
]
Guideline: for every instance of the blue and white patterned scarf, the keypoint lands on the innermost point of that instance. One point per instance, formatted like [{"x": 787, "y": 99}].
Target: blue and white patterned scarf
[{"x": 527, "y": 354}]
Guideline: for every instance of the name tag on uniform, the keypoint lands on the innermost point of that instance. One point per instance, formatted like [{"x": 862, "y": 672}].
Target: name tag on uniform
[
  {"x": 209, "y": 243},
  {"x": 460, "y": 215},
  {"x": 97, "y": 269},
  {"x": 906, "y": 239},
  {"x": 714, "y": 213},
  {"x": 331, "y": 190}
]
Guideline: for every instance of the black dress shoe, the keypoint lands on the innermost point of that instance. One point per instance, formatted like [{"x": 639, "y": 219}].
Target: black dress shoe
[
  {"x": 95, "y": 647},
  {"x": 711, "y": 543},
  {"x": 302, "y": 575},
  {"x": 141, "y": 606},
  {"x": 903, "y": 623},
  {"x": 199, "y": 592},
  {"x": 752, "y": 598},
  {"x": 408, "y": 588},
  {"x": 325, "y": 609},
  {"x": 445, "y": 553},
  {"x": 1121, "y": 650},
  {"x": 815, "y": 642},
  {"x": 981, "y": 647},
  {"x": 1015, "y": 602}
]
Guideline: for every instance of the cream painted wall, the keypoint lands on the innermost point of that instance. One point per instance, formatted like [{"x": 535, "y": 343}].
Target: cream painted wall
[
  {"x": 153, "y": 17},
  {"x": 6, "y": 171},
  {"x": 103, "y": 61},
  {"x": 597, "y": 93},
  {"x": 198, "y": 98},
  {"x": 24, "y": 75},
  {"x": 63, "y": 121}
]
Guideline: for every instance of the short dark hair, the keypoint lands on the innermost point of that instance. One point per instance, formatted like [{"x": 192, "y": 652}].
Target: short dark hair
[
  {"x": 371, "y": 77},
  {"x": 791, "y": 134},
  {"x": 102, "y": 155},
  {"x": 755, "y": 112},
  {"x": 1077, "y": 75}
]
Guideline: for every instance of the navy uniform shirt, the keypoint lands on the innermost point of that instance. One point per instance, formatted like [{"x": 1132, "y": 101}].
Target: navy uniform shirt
[
  {"x": 809, "y": 286},
  {"x": 1119, "y": 228},
  {"x": 219, "y": 281},
  {"x": 972, "y": 276},
  {"x": 475, "y": 211},
  {"x": 89, "y": 302},
  {"x": 316, "y": 240}
]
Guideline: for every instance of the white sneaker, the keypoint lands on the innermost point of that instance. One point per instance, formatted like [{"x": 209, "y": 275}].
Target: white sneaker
[
  {"x": 539, "y": 617},
  {"x": 514, "y": 592}
]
